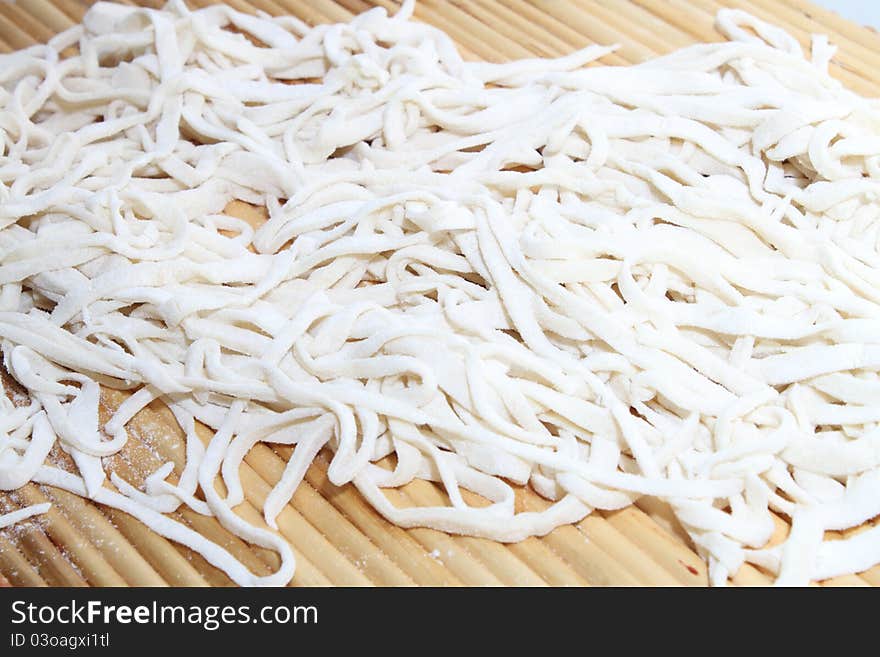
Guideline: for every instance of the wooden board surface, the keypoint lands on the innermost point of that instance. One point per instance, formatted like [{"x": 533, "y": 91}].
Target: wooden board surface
[{"x": 338, "y": 538}]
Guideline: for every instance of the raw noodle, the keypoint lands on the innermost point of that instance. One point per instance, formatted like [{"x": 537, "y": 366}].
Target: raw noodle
[
  {"x": 605, "y": 282},
  {"x": 9, "y": 519}
]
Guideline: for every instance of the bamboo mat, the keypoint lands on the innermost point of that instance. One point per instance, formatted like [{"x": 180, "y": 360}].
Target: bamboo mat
[{"x": 338, "y": 538}]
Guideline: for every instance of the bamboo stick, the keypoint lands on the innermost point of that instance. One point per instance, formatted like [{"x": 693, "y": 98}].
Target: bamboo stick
[
  {"x": 122, "y": 556},
  {"x": 155, "y": 426},
  {"x": 334, "y": 525},
  {"x": 503, "y": 563},
  {"x": 551, "y": 567},
  {"x": 445, "y": 548},
  {"x": 550, "y": 24},
  {"x": 864, "y": 36},
  {"x": 15, "y": 38},
  {"x": 309, "y": 541},
  {"x": 27, "y": 21},
  {"x": 293, "y": 526},
  {"x": 592, "y": 563},
  {"x": 172, "y": 567},
  {"x": 413, "y": 557},
  {"x": 97, "y": 570},
  {"x": 14, "y": 566},
  {"x": 454, "y": 14},
  {"x": 50, "y": 563},
  {"x": 654, "y": 41},
  {"x": 641, "y": 563},
  {"x": 409, "y": 555},
  {"x": 697, "y": 25},
  {"x": 330, "y": 11},
  {"x": 529, "y": 36},
  {"x": 535, "y": 553},
  {"x": 668, "y": 36},
  {"x": 257, "y": 559},
  {"x": 356, "y": 6},
  {"x": 72, "y": 8},
  {"x": 50, "y": 15},
  {"x": 204, "y": 572},
  {"x": 661, "y": 514},
  {"x": 597, "y": 31},
  {"x": 137, "y": 460}
]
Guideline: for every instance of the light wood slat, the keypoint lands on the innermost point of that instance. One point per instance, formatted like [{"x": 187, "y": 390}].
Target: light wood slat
[
  {"x": 666, "y": 549},
  {"x": 330, "y": 11},
  {"x": 640, "y": 563},
  {"x": 198, "y": 572},
  {"x": 27, "y": 21},
  {"x": 625, "y": 547},
  {"x": 139, "y": 460},
  {"x": 408, "y": 554},
  {"x": 155, "y": 428},
  {"x": 298, "y": 531},
  {"x": 452, "y": 14},
  {"x": 50, "y": 15},
  {"x": 494, "y": 556},
  {"x": 550, "y": 24},
  {"x": 80, "y": 548},
  {"x": 172, "y": 567},
  {"x": 94, "y": 526},
  {"x": 606, "y": 538},
  {"x": 15, "y": 566},
  {"x": 356, "y": 546},
  {"x": 618, "y": 16},
  {"x": 592, "y": 563},
  {"x": 541, "y": 558},
  {"x": 50, "y": 563},
  {"x": 12, "y": 36},
  {"x": 446, "y": 549},
  {"x": 72, "y": 8},
  {"x": 540, "y": 42},
  {"x": 852, "y": 32},
  {"x": 587, "y": 24}
]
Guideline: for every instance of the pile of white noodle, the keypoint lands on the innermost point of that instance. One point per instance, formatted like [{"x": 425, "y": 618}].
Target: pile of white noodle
[{"x": 605, "y": 282}]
